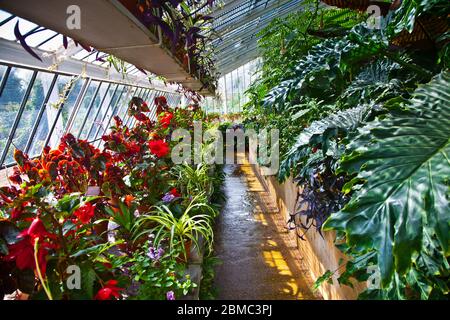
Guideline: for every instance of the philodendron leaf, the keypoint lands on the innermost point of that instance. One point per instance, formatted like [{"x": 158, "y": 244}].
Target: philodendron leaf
[
  {"x": 405, "y": 163},
  {"x": 320, "y": 132}
]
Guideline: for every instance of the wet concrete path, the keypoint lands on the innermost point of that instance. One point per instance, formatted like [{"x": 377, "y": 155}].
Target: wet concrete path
[{"x": 259, "y": 258}]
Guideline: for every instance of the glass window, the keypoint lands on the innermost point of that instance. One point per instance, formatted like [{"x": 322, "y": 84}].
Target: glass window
[
  {"x": 56, "y": 110},
  {"x": 221, "y": 93},
  {"x": 94, "y": 109},
  {"x": 34, "y": 103},
  {"x": 229, "y": 93},
  {"x": 109, "y": 99},
  {"x": 7, "y": 30},
  {"x": 123, "y": 104},
  {"x": 2, "y": 72},
  {"x": 139, "y": 93},
  {"x": 109, "y": 113},
  {"x": 10, "y": 101},
  {"x": 89, "y": 96},
  {"x": 52, "y": 44},
  {"x": 119, "y": 109}
]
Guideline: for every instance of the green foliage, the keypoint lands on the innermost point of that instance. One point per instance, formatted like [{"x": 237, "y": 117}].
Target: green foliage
[
  {"x": 401, "y": 210},
  {"x": 350, "y": 129},
  {"x": 207, "y": 289},
  {"x": 327, "y": 68},
  {"x": 187, "y": 228},
  {"x": 405, "y": 17},
  {"x": 320, "y": 132},
  {"x": 152, "y": 277},
  {"x": 284, "y": 42},
  {"x": 194, "y": 180}
]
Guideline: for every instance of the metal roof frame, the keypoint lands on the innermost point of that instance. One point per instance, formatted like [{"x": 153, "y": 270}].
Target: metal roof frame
[{"x": 237, "y": 24}]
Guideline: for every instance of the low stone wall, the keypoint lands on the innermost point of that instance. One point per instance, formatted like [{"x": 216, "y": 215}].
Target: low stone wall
[{"x": 320, "y": 254}]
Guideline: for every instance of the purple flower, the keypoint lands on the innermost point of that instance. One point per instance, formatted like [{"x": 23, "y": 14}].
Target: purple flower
[
  {"x": 133, "y": 289},
  {"x": 170, "y": 295},
  {"x": 155, "y": 254},
  {"x": 168, "y": 197}
]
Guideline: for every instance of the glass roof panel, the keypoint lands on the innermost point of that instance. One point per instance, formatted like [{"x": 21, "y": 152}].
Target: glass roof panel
[
  {"x": 52, "y": 44},
  {"x": 237, "y": 23}
]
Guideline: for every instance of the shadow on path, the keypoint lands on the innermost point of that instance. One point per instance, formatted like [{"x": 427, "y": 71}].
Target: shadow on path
[{"x": 259, "y": 257}]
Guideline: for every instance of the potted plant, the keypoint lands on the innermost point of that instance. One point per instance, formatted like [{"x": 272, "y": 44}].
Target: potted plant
[{"x": 183, "y": 231}]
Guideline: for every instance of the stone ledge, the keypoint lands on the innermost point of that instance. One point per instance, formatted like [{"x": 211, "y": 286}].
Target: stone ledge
[{"x": 319, "y": 254}]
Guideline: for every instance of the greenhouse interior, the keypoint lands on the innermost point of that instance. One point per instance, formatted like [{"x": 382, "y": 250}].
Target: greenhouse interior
[{"x": 225, "y": 150}]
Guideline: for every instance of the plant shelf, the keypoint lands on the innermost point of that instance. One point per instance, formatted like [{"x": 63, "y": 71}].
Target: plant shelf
[{"x": 109, "y": 27}]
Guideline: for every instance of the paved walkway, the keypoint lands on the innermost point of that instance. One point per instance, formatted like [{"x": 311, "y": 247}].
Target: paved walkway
[{"x": 259, "y": 258}]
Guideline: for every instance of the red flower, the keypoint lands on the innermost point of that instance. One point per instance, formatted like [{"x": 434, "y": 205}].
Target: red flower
[
  {"x": 16, "y": 212},
  {"x": 85, "y": 213},
  {"x": 23, "y": 251},
  {"x": 133, "y": 148},
  {"x": 16, "y": 178},
  {"x": 161, "y": 104},
  {"x": 144, "y": 107},
  {"x": 175, "y": 193},
  {"x": 35, "y": 230},
  {"x": 159, "y": 148},
  {"x": 165, "y": 119},
  {"x": 109, "y": 291},
  {"x": 129, "y": 200},
  {"x": 118, "y": 121}
]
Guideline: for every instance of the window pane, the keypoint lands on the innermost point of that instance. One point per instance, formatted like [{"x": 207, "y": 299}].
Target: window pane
[
  {"x": 2, "y": 72},
  {"x": 111, "y": 109},
  {"x": 35, "y": 100},
  {"x": 51, "y": 113},
  {"x": 93, "y": 110},
  {"x": 10, "y": 100},
  {"x": 82, "y": 111},
  {"x": 123, "y": 104},
  {"x": 111, "y": 96},
  {"x": 229, "y": 93}
]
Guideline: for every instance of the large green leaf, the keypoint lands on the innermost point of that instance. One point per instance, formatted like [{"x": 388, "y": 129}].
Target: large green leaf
[
  {"x": 320, "y": 132},
  {"x": 374, "y": 84},
  {"x": 324, "y": 71},
  {"x": 405, "y": 167},
  {"x": 405, "y": 17}
]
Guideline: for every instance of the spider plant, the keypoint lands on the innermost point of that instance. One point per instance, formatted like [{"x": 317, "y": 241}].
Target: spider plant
[
  {"x": 194, "y": 180},
  {"x": 179, "y": 231}
]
